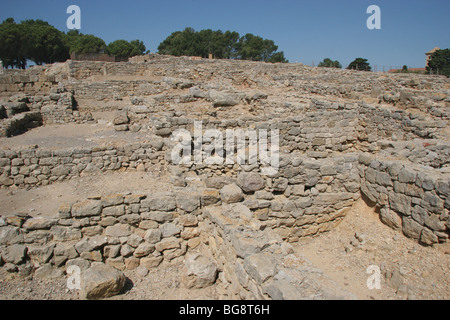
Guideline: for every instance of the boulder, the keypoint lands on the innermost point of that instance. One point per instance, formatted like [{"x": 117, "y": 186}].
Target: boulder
[
  {"x": 200, "y": 271},
  {"x": 231, "y": 194},
  {"x": 101, "y": 281}
]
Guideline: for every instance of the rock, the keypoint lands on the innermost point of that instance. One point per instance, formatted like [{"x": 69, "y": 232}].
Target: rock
[
  {"x": 101, "y": 281},
  {"x": 114, "y": 211},
  {"x": 220, "y": 99},
  {"x": 160, "y": 203},
  {"x": 40, "y": 255},
  {"x": 87, "y": 208},
  {"x": 247, "y": 244},
  {"x": 121, "y": 127},
  {"x": 15, "y": 220},
  {"x": 144, "y": 249},
  {"x": 428, "y": 237},
  {"x": 14, "y": 254},
  {"x": 10, "y": 267},
  {"x": 48, "y": 272},
  {"x": 151, "y": 261},
  {"x": 135, "y": 127},
  {"x": 188, "y": 220},
  {"x": 61, "y": 233},
  {"x": 79, "y": 262},
  {"x": 390, "y": 218},
  {"x": 153, "y": 236},
  {"x": 141, "y": 271},
  {"x": 406, "y": 176},
  {"x": 118, "y": 230},
  {"x": 83, "y": 246},
  {"x": 189, "y": 233},
  {"x": 265, "y": 195},
  {"x": 61, "y": 170},
  {"x": 168, "y": 243},
  {"x": 63, "y": 252},
  {"x": 411, "y": 228},
  {"x": 218, "y": 182},
  {"x": 112, "y": 200},
  {"x": 169, "y": 230},
  {"x": 434, "y": 223},
  {"x": 134, "y": 240},
  {"x": 10, "y": 235},
  {"x": 200, "y": 271},
  {"x": 126, "y": 250},
  {"x": 210, "y": 196},
  {"x": 187, "y": 202},
  {"x": 260, "y": 266},
  {"x": 91, "y": 169},
  {"x": 39, "y": 223},
  {"x": 197, "y": 92},
  {"x": 157, "y": 216},
  {"x": 139, "y": 109},
  {"x": 98, "y": 241},
  {"x": 111, "y": 251},
  {"x": 64, "y": 211},
  {"x": 121, "y": 118},
  {"x": 231, "y": 194},
  {"x": 250, "y": 181},
  {"x": 6, "y": 181},
  {"x": 400, "y": 203}
]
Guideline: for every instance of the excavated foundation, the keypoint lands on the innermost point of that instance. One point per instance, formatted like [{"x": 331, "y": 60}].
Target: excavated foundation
[{"x": 339, "y": 135}]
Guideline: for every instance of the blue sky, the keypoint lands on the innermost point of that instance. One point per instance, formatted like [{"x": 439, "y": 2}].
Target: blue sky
[{"x": 305, "y": 30}]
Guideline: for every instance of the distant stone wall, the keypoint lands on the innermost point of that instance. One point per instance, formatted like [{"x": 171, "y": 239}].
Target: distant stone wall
[{"x": 34, "y": 167}]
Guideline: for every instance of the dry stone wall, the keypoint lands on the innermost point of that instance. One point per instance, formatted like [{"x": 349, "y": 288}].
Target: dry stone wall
[
  {"x": 122, "y": 230},
  {"x": 413, "y": 199}
]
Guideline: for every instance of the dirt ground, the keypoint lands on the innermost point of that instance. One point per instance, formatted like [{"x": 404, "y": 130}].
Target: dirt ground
[
  {"x": 408, "y": 269},
  {"x": 65, "y": 136}
]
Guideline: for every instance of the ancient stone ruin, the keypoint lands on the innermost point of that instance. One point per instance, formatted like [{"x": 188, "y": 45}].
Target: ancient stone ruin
[{"x": 343, "y": 135}]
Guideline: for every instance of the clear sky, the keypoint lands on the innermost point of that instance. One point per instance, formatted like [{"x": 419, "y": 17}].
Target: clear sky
[{"x": 305, "y": 30}]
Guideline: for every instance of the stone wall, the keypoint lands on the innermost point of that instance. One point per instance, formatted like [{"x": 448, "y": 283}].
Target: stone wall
[
  {"x": 410, "y": 198},
  {"x": 123, "y": 230},
  {"x": 34, "y": 167},
  {"x": 24, "y": 111},
  {"x": 321, "y": 134},
  {"x": 215, "y": 237}
]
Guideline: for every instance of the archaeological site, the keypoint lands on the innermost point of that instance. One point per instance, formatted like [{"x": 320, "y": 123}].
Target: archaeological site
[{"x": 94, "y": 205}]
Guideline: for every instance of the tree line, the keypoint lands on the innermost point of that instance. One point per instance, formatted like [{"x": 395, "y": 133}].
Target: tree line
[
  {"x": 38, "y": 41},
  {"x": 360, "y": 64},
  {"x": 438, "y": 64},
  {"x": 221, "y": 45}
]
